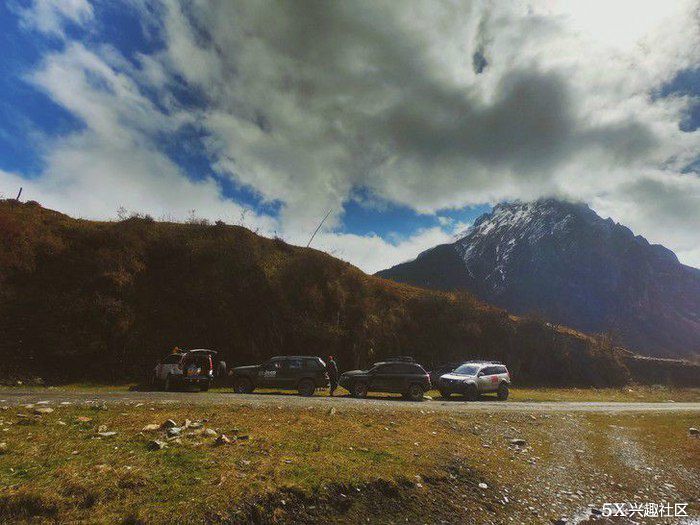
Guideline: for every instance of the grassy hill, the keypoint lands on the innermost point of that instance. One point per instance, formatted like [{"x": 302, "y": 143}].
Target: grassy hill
[{"x": 84, "y": 300}]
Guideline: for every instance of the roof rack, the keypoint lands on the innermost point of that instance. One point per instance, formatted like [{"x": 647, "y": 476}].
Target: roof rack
[{"x": 483, "y": 361}]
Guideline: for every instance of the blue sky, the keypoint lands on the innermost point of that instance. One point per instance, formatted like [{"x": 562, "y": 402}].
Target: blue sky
[{"x": 269, "y": 117}]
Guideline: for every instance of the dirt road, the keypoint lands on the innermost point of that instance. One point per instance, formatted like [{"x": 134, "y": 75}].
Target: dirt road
[{"x": 16, "y": 396}]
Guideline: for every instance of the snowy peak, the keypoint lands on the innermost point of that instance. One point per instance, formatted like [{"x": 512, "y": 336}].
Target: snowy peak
[{"x": 564, "y": 262}]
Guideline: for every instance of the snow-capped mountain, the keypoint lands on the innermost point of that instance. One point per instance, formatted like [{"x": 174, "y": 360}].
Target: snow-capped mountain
[{"x": 561, "y": 261}]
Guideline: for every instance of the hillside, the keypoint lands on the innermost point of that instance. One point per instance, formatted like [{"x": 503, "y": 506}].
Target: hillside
[
  {"x": 83, "y": 300},
  {"x": 567, "y": 264}
]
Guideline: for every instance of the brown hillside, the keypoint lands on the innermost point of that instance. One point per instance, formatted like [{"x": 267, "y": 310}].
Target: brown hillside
[{"x": 84, "y": 300}]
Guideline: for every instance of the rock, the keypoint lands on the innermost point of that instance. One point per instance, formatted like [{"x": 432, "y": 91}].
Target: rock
[
  {"x": 83, "y": 419},
  {"x": 151, "y": 427},
  {"x": 483, "y": 485},
  {"x": 102, "y": 428},
  {"x": 173, "y": 431},
  {"x": 560, "y": 521},
  {"x": 331, "y": 412},
  {"x": 3, "y": 448},
  {"x": 156, "y": 444},
  {"x": 168, "y": 423},
  {"x": 427, "y": 397},
  {"x": 106, "y": 434},
  {"x": 210, "y": 432},
  {"x": 196, "y": 424},
  {"x": 693, "y": 431},
  {"x": 43, "y": 410},
  {"x": 243, "y": 437},
  {"x": 222, "y": 440},
  {"x": 518, "y": 442}
]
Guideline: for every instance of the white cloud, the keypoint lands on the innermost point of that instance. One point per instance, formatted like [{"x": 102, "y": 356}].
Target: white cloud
[
  {"x": 305, "y": 103},
  {"x": 51, "y": 16}
]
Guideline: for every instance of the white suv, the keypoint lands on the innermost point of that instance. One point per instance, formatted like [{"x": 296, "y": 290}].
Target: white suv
[{"x": 473, "y": 378}]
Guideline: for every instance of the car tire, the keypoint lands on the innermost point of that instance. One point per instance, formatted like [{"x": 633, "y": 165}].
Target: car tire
[
  {"x": 359, "y": 390},
  {"x": 445, "y": 395},
  {"x": 204, "y": 387},
  {"x": 415, "y": 392},
  {"x": 242, "y": 385},
  {"x": 168, "y": 385},
  {"x": 471, "y": 393},
  {"x": 503, "y": 392},
  {"x": 306, "y": 387}
]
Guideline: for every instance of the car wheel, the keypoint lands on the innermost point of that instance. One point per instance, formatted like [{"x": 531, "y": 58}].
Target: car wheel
[
  {"x": 503, "y": 392},
  {"x": 359, "y": 389},
  {"x": 415, "y": 392},
  {"x": 243, "y": 385},
  {"x": 168, "y": 386},
  {"x": 306, "y": 387},
  {"x": 445, "y": 395},
  {"x": 204, "y": 387},
  {"x": 471, "y": 393}
]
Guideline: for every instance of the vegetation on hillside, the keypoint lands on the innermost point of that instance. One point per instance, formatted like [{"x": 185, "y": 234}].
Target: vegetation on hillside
[{"x": 85, "y": 300}]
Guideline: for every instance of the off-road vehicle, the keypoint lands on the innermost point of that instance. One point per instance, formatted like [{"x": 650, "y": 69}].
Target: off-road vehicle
[
  {"x": 473, "y": 378},
  {"x": 302, "y": 373},
  {"x": 399, "y": 377},
  {"x": 194, "y": 368}
]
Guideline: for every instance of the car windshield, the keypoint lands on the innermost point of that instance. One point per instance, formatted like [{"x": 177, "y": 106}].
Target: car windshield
[{"x": 467, "y": 370}]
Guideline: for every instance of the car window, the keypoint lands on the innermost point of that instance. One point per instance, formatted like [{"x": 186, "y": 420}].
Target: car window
[
  {"x": 274, "y": 365},
  {"x": 468, "y": 370},
  {"x": 490, "y": 370},
  {"x": 295, "y": 364},
  {"x": 501, "y": 370},
  {"x": 314, "y": 364}
]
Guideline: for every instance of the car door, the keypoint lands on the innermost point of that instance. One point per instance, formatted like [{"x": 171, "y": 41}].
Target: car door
[
  {"x": 484, "y": 379},
  {"x": 380, "y": 378},
  {"x": 292, "y": 370},
  {"x": 490, "y": 379},
  {"x": 267, "y": 376}
]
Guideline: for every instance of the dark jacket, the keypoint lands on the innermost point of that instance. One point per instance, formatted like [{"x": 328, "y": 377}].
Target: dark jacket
[{"x": 332, "y": 370}]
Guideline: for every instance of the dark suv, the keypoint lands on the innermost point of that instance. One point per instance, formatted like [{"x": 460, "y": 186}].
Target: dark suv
[
  {"x": 399, "y": 377},
  {"x": 302, "y": 373}
]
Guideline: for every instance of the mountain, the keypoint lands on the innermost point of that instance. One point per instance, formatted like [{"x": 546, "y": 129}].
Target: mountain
[
  {"x": 84, "y": 300},
  {"x": 562, "y": 261}
]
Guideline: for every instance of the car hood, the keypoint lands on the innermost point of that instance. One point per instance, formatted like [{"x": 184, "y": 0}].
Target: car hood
[
  {"x": 460, "y": 377},
  {"x": 249, "y": 368},
  {"x": 351, "y": 373}
]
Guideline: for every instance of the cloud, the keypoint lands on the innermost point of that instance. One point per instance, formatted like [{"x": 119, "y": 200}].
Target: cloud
[
  {"x": 115, "y": 161},
  {"x": 51, "y": 16},
  {"x": 304, "y": 103}
]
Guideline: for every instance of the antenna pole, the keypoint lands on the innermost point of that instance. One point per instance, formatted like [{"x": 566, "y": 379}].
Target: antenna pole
[
  {"x": 19, "y": 194},
  {"x": 318, "y": 228}
]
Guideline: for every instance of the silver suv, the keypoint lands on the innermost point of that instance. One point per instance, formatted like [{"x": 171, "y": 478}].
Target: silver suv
[{"x": 473, "y": 378}]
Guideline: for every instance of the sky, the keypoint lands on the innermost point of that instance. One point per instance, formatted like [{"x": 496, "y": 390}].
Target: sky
[{"x": 403, "y": 120}]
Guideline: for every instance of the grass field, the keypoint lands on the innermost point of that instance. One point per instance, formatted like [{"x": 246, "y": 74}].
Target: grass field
[{"x": 321, "y": 466}]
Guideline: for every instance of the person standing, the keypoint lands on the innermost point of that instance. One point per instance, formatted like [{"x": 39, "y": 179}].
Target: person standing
[{"x": 332, "y": 371}]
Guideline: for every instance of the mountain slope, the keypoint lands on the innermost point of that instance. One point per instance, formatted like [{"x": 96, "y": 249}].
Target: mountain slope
[
  {"x": 84, "y": 300},
  {"x": 562, "y": 261}
]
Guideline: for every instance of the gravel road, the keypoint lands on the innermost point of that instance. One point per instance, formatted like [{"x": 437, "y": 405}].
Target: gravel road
[{"x": 14, "y": 396}]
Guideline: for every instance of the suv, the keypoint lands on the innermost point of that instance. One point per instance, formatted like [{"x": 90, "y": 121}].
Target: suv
[
  {"x": 193, "y": 368},
  {"x": 302, "y": 373},
  {"x": 473, "y": 378},
  {"x": 400, "y": 377}
]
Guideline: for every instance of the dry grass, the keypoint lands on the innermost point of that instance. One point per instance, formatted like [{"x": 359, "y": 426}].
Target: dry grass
[{"x": 57, "y": 467}]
